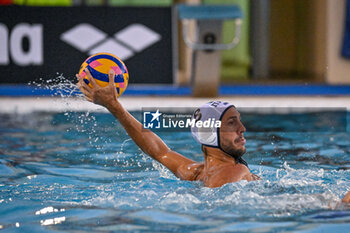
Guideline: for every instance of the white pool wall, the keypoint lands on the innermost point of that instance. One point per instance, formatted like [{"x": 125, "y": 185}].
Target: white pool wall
[{"x": 58, "y": 104}]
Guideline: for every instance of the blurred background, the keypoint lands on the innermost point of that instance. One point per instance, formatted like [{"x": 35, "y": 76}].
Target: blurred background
[{"x": 282, "y": 42}]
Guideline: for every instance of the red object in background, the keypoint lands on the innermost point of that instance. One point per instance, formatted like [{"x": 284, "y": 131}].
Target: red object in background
[{"x": 5, "y": 2}]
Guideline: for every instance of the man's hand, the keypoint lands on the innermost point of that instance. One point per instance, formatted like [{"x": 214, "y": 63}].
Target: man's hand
[{"x": 104, "y": 96}]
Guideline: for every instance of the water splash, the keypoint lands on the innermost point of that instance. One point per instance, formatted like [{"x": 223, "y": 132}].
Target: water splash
[
  {"x": 95, "y": 180},
  {"x": 163, "y": 171},
  {"x": 84, "y": 122},
  {"x": 58, "y": 86}
]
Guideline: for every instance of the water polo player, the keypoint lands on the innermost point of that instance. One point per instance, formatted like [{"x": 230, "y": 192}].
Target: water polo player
[{"x": 222, "y": 147}]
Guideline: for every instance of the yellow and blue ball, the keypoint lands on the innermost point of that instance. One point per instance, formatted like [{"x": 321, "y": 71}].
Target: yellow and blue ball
[{"x": 99, "y": 65}]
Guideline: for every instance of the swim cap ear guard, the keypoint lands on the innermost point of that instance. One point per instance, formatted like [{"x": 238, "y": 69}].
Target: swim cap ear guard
[{"x": 210, "y": 113}]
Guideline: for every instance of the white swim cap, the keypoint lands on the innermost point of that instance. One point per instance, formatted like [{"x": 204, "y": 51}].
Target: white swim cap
[{"x": 210, "y": 112}]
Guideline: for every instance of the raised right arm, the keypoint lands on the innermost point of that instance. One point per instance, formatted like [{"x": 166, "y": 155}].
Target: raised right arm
[{"x": 148, "y": 141}]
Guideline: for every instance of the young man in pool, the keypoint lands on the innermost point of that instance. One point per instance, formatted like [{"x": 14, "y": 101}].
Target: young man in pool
[
  {"x": 222, "y": 153},
  {"x": 222, "y": 148}
]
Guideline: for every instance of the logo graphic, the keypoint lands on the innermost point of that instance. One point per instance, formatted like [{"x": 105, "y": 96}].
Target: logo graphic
[
  {"x": 11, "y": 44},
  {"x": 176, "y": 119},
  {"x": 125, "y": 43},
  {"x": 151, "y": 120}
]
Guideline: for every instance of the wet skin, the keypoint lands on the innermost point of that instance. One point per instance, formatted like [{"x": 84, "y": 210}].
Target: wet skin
[
  {"x": 232, "y": 140},
  {"x": 346, "y": 198},
  {"x": 218, "y": 168}
]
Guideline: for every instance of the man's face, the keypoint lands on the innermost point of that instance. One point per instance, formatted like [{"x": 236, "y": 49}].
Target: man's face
[{"x": 231, "y": 133}]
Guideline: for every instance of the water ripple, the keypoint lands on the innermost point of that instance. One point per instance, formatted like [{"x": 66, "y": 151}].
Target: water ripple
[{"x": 104, "y": 182}]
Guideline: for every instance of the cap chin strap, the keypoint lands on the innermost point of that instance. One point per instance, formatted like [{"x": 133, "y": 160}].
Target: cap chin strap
[{"x": 239, "y": 159}]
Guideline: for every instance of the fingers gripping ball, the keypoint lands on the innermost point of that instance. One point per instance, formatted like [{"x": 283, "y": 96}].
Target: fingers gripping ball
[{"x": 99, "y": 65}]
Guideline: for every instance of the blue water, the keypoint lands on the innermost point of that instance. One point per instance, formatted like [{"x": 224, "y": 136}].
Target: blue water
[{"x": 77, "y": 172}]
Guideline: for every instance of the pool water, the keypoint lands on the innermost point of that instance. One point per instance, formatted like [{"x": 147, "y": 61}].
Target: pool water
[{"x": 74, "y": 172}]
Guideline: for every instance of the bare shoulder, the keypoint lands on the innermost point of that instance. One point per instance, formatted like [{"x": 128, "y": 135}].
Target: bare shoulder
[
  {"x": 229, "y": 174},
  {"x": 190, "y": 171},
  {"x": 244, "y": 172},
  {"x": 239, "y": 170},
  {"x": 346, "y": 198}
]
